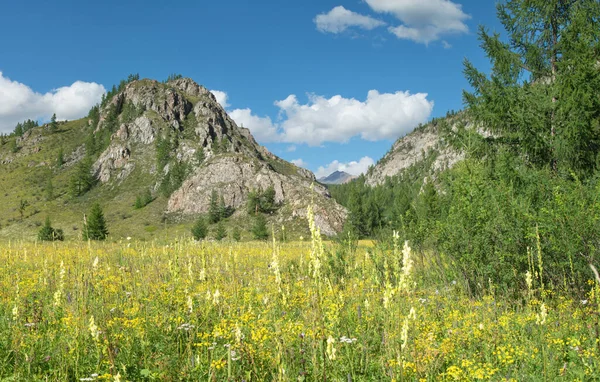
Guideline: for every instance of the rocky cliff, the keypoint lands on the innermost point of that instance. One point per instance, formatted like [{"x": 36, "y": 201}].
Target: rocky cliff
[
  {"x": 215, "y": 152},
  {"x": 426, "y": 141}
]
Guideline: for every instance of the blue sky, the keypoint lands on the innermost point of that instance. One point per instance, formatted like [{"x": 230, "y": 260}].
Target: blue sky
[{"x": 324, "y": 82}]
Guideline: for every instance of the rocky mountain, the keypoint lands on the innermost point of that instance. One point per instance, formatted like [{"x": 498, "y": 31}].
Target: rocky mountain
[
  {"x": 158, "y": 136},
  {"x": 337, "y": 177},
  {"x": 426, "y": 142}
]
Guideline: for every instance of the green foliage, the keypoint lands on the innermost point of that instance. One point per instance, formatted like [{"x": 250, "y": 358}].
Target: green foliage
[
  {"x": 236, "y": 234},
  {"x": 259, "y": 228},
  {"x": 217, "y": 209},
  {"x": 47, "y": 233},
  {"x": 14, "y": 147},
  {"x": 3, "y": 139},
  {"x": 23, "y": 204},
  {"x": 82, "y": 180},
  {"x": 174, "y": 178},
  {"x": 130, "y": 112},
  {"x": 94, "y": 225},
  {"x": 116, "y": 90},
  {"x": 262, "y": 201},
  {"x": 23, "y": 127},
  {"x": 49, "y": 190},
  {"x": 220, "y": 232},
  {"x": 199, "y": 230},
  {"x": 53, "y": 124},
  {"x": 214, "y": 214},
  {"x": 173, "y": 77},
  {"x": 163, "y": 151},
  {"x": 60, "y": 158},
  {"x": 200, "y": 155},
  {"x": 540, "y": 99},
  {"x": 142, "y": 200}
]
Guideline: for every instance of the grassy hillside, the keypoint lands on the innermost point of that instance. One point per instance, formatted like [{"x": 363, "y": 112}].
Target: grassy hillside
[{"x": 24, "y": 177}]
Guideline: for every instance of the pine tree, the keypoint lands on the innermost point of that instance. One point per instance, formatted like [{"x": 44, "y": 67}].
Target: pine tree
[
  {"x": 220, "y": 232},
  {"x": 214, "y": 214},
  {"x": 82, "y": 180},
  {"x": 94, "y": 227},
  {"x": 47, "y": 233},
  {"x": 199, "y": 230},
  {"x": 259, "y": 229},
  {"x": 236, "y": 234},
  {"x": 53, "y": 123}
]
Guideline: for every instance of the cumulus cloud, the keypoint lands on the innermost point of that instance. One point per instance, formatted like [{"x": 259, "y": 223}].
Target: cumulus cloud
[
  {"x": 423, "y": 21},
  {"x": 19, "y": 102},
  {"x": 221, "y": 97},
  {"x": 352, "y": 168},
  {"x": 262, "y": 128},
  {"x": 339, "y": 19},
  {"x": 338, "y": 119},
  {"x": 299, "y": 162}
]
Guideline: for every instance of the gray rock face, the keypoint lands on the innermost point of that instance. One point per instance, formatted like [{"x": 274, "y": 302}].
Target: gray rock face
[
  {"x": 411, "y": 149},
  {"x": 235, "y": 176},
  {"x": 116, "y": 157},
  {"x": 235, "y": 163}
]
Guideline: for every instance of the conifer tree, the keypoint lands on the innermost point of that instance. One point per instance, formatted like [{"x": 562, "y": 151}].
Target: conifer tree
[
  {"x": 199, "y": 230},
  {"x": 53, "y": 123},
  {"x": 214, "y": 214},
  {"x": 220, "y": 232},
  {"x": 540, "y": 100},
  {"x": 47, "y": 233},
  {"x": 259, "y": 229},
  {"x": 94, "y": 226}
]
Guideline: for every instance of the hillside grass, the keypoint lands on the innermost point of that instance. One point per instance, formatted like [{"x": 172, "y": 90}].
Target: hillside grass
[{"x": 26, "y": 179}]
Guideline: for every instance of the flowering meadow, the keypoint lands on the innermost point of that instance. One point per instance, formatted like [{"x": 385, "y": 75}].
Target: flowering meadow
[{"x": 301, "y": 311}]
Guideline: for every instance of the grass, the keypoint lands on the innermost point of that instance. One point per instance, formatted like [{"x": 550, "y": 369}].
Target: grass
[{"x": 302, "y": 311}]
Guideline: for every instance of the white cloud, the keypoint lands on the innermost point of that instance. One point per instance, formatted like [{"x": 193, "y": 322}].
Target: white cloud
[
  {"x": 338, "y": 119},
  {"x": 339, "y": 19},
  {"x": 291, "y": 148},
  {"x": 423, "y": 21},
  {"x": 352, "y": 168},
  {"x": 19, "y": 102},
  {"x": 262, "y": 128},
  {"x": 299, "y": 162},
  {"x": 221, "y": 97}
]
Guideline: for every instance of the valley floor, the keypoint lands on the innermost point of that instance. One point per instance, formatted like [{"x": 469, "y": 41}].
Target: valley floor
[{"x": 275, "y": 311}]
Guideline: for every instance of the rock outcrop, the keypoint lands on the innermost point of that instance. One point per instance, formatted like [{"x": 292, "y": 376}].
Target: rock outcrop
[
  {"x": 217, "y": 154},
  {"x": 415, "y": 147}
]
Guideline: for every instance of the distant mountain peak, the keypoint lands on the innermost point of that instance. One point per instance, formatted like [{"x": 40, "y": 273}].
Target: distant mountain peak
[{"x": 337, "y": 177}]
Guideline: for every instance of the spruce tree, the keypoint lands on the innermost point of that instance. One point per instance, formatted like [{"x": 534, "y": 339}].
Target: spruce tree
[
  {"x": 220, "y": 232},
  {"x": 236, "y": 234},
  {"x": 53, "y": 123},
  {"x": 199, "y": 230},
  {"x": 94, "y": 227},
  {"x": 214, "y": 214},
  {"x": 47, "y": 233},
  {"x": 259, "y": 229}
]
